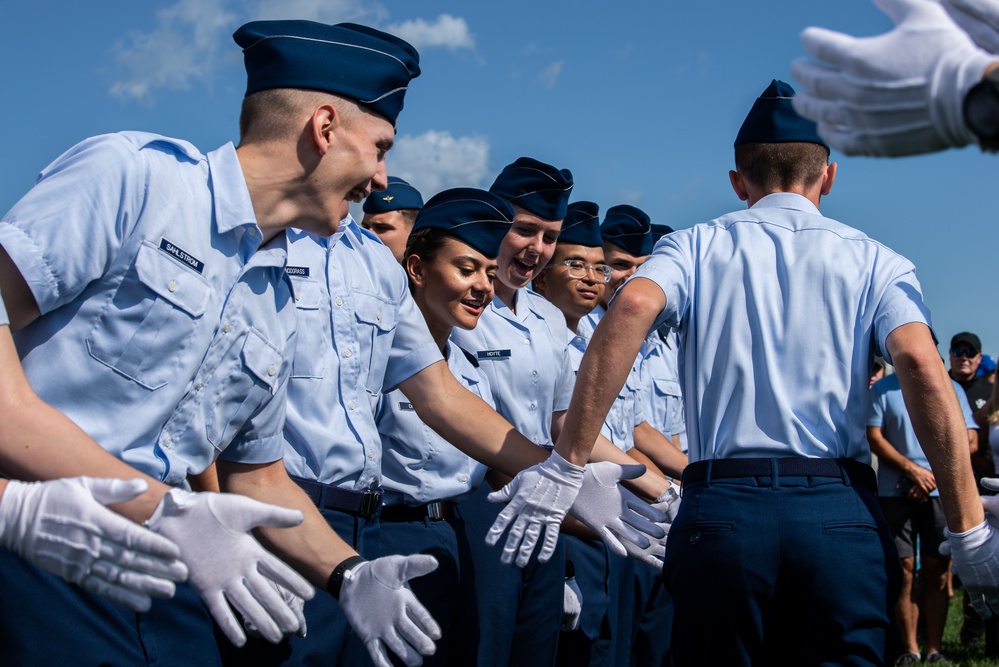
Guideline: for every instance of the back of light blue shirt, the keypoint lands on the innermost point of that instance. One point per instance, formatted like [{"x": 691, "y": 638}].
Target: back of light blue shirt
[
  {"x": 887, "y": 411},
  {"x": 361, "y": 335},
  {"x": 166, "y": 332},
  {"x": 779, "y": 310}
]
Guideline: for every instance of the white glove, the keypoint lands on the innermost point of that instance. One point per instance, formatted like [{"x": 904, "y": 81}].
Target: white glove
[
  {"x": 383, "y": 611},
  {"x": 899, "y": 93},
  {"x": 227, "y": 563},
  {"x": 628, "y": 525},
  {"x": 63, "y": 526},
  {"x": 538, "y": 497},
  {"x": 572, "y": 605},
  {"x": 976, "y": 555},
  {"x": 669, "y": 503},
  {"x": 978, "y": 18},
  {"x": 295, "y": 603}
]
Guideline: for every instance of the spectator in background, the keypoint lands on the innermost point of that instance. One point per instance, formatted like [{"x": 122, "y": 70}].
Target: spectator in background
[
  {"x": 987, "y": 368},
  {"x": 910, "y": 501}
]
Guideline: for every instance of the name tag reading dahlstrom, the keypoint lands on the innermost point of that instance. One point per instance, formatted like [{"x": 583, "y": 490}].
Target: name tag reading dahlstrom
[
  {"x": 301, "y": 271},
  {"x": 182, "y": 256},
  {"x": 485, "y": 355}
]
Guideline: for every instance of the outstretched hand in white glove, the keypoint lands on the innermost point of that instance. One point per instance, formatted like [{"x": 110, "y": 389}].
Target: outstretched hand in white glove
[{"x": 976, "y": 555}]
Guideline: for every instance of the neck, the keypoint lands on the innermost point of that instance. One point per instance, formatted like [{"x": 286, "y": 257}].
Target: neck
[
  {"x": 507, "y": 295},
  {"x": 270, "y": 186},
  {"x": 572, "y": 323}
]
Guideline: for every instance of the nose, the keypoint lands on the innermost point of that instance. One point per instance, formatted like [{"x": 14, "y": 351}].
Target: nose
[{"x": 379, "y": 181}]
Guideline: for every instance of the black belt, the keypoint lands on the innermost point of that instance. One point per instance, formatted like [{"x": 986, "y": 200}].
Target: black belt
[
  {"x": 438, "y": 511},
  {"x": 850, "y": 471},
  {"x": 328, "y": 497}
]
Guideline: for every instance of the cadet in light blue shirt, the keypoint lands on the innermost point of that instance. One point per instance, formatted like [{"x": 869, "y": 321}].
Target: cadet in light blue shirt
[
  {"x": 780, "y": 474},
  {"x": 147, "y": 284}
]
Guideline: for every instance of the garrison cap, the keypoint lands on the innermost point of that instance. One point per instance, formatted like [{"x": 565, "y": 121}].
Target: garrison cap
[
  {"x": 629, "y": 228},
  {"x": 398, "y": 196},
  {"x": 773, "y": 120},
  {"x": 476, "y": 217},
  {"x": 659, "y": 231},
  {"x": 581, "y": 225},
  {"x": 536, "y": 187},
  {"x": 369, "y": 66}
]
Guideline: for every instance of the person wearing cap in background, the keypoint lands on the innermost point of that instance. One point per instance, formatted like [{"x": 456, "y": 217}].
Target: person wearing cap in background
[
  {"x": 176, "y": 311},
  {"x": 987, "y": 369},
  {"x": 780, "y": 478},
  {"x": 521, "y": 344},
  {"x": 390, "y": 214},
  {"x": 910, "y": 501},
  {"x": 944, "y": 93}
]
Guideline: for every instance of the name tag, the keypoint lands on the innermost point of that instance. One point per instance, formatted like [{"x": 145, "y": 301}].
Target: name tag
[
  {"x": 406, "y": 407},
  {"x": 302, "y": 271},
  {"x": 493, "y": 354},
  {"x": 182, "y": 255}
]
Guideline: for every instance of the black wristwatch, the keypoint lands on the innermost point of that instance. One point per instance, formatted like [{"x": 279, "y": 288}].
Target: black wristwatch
[
  {"x": 981, "y": 111},
  {"x": 335, "y": 582}
]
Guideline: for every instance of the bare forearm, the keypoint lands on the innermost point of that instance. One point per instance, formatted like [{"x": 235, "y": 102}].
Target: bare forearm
[
  {"x": 312, "y": 548},
  {"x": 883, "y": 449},
  {"x": 660, "y": 450},
  {"x": 936, "y": 418}
]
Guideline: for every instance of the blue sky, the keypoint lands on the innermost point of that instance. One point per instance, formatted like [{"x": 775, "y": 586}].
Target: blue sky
[{"x": 640, "y": 99}]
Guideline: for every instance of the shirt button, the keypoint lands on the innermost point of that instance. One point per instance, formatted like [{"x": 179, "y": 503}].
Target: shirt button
[
  {"x": 534, "y": 373},
  {"x": 371, "y": 456},
  {"x": 226, "y": 328},
  {"x": 462, "y": 478},
  {"x": 167, "y": 442},
  {"x": 252, "y": 231},
  {"x": 527, "y": 341},
  {"x": 172, "y": 285},
  {"x": 378, "y": 315},
  {"x": 533, "y": 406},
  {"x": 338, "y": 301},
  {"x": 271, "y": 370},
  {"x": 347, "y": 353},
  {"x": 352, "y": 405},
  {"x": 198, "y": 386}
]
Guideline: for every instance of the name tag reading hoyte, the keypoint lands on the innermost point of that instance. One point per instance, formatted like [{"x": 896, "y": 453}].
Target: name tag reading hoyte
[
  {"x": 182, "y": 256},
  {"x": 302, "y": 271},
  {"x": 492, "y": 354},
  {"x": 406, "y": 407}
]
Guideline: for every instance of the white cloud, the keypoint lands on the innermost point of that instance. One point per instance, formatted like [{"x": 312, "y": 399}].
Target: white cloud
[
  {"x": 192, "y": 39},
  {"x": 447, "y": 31},
  {"x": 549, "y": 75},
  {"x": 435, "y": 161}
]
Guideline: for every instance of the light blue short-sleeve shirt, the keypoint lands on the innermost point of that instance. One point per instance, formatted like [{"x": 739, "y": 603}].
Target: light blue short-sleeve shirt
[
  {"x": 361, "y": 333},
  {"x": 419, "y": 466},
  {"x": 166, "y": 330},
  {"x": 887, "y": 411},
  {"x": 779, "y": 311},
  {"x": 525, "y": 356}
]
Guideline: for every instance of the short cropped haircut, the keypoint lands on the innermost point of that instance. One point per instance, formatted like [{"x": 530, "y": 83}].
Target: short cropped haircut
[
  {"x": 278, "y": 113},
  {"x": 780, "y": 167}
]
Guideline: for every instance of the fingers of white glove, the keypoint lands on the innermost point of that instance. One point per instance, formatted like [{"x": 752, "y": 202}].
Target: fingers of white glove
[
  {"x": 277, "y": 571},
  {"x": 632, "y": 471},
  {"x": 140, "y": 583},
  {"x": 613, "y": 544},
  {"x": 991, "y": 504},
  {"x": 261, "y": 605},
  {"x": 506, "y": 493},
  {"x": 944, "y": 548},
  {"x": 414, "y": 634},
  {"x": 145, "y": 550},
  {"x": 378, "y": 653},
  {"x": 221, "y": 612},
  {"x": 125, "y": 596},
  {"x": 527, "y": 544},
  {"x": 412, "y": 567},
  {"x": 399, "y": 646},
  {"x": 991, "y": 483},
  {"x": 628, "y": 533},
  {"x": 419, "y": 615},
  {"x": 499, "y": 526},
  {"x": 108, "y": 491},
  {"x": 241, "y": 513},
  {"x": 978, "y": 602},
  {"x": 551, "y": 541},
  {"x": 646, "y": 515},
  {"x": 829, "y": 46},
  {"x": 513, "y": 538}
]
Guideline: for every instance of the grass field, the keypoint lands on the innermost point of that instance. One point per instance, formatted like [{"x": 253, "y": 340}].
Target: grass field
[{"x": 959, "y": 654}]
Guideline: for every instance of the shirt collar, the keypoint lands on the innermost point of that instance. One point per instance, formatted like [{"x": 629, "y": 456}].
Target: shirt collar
[
  {"x": 233, "y": 207},
  {"x": 789, "y": 200}
]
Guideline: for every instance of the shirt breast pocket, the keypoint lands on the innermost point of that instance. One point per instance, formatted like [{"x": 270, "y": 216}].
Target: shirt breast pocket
[
  {"x": 314, "y": 341},
  {"x": 249, "y": 382},
  {"x": 149, "y": 322},
  {"x": 376, "y": 322}
]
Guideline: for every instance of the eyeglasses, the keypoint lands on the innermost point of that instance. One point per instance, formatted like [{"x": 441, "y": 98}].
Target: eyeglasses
[
  {"x": 578, "y": 269},
  {"x": 964, "y": 352}
]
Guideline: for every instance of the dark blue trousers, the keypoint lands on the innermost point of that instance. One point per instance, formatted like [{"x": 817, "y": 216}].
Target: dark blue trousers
[
  {"x": 46, "y": 621},
  {"x": 592, "y": 642},
  {"x": 770, "y": 570},
  {"x": 330, "y": 640},
  {"x": 509, "y": 616},
  {"x": 653, "y": 619}
]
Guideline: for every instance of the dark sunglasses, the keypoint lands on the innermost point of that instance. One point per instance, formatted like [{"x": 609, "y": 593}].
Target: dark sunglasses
[{"x": 964, "y": 352}]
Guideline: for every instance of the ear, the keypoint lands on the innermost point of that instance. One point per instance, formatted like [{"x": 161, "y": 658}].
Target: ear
[
  {"x": 324, "y": 119},
  {"x": 828, "y": 178},
  {"x": 540, "y": 283},
  {"x": 414, "y": 267},
  {"x": 739, "y": 185}
]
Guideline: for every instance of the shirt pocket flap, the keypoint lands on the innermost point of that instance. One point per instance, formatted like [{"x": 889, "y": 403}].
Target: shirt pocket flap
[
  {"x": 173, "y": 282},
  {"x": 375, "y": 312},
  {"x": 262, "y": 359},
  {"x": 308, "y": 294},
  {"x": 666, "y": 387}
]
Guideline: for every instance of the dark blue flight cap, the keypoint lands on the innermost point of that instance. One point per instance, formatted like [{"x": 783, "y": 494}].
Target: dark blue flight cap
[
  {"x": 536, "y": 187},
  {"x": 398, "y": 196},
  {"x": 369, "y": 66},
  {"x": 581, "y": 225},
  {"x": 773, "y": 120},
  {"x": 629, "y": 228},
  {"x": 659, "y": 231},
  {"x": 476, "y": 217}
]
